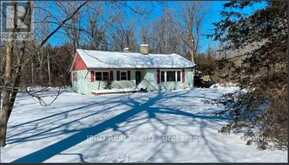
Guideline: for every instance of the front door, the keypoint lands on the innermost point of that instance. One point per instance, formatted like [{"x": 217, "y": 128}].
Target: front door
[{"x": 138, "y": 77}]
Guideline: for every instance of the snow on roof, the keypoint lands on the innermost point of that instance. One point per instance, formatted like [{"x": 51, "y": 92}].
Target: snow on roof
[{"x": 108, "y": 59}]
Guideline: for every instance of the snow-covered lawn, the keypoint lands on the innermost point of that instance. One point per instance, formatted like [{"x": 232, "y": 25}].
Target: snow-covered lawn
[{"x": 177, "y": 126}]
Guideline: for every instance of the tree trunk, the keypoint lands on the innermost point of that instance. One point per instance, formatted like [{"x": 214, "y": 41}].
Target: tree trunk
[
  {"x": 48, "y": 68},
  {"x": 3, "y": 126},
  {"x": 192, "y": 54},
  {"x": 6, "y": 92},
  {"x": 32, "y": 72}
]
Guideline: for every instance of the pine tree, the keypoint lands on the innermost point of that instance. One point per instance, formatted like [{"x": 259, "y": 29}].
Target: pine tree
[{"x": 264, "y": 68}]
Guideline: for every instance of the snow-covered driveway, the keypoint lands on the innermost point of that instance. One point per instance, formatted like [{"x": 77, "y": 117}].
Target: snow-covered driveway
[{"x": 177, "y": 126}]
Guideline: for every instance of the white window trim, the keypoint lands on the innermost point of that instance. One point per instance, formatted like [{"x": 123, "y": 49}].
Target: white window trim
[
  {"x": 101, "y": 71},
  {"x": 176, "y": 75},
  {"x": 126, "y": 73}
]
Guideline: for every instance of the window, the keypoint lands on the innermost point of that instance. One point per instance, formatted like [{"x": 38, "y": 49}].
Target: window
[
  {"x": 123, "y": 76},
  {"x": 98, "y": 76},
  {"x": 171, "y": 76},
  {"x": 105, "y": 76},
  {"x": 162, "y": 76},
  {"x": 92, "y": 76},
  {"x": 179, "y": 76}
]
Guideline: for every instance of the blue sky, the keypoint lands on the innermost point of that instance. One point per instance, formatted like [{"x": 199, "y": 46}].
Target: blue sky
[{"x": 213, "y": 9}]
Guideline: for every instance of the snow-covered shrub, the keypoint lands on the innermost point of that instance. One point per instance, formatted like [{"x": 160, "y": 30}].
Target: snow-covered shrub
[{"x": 252, "y": 116}]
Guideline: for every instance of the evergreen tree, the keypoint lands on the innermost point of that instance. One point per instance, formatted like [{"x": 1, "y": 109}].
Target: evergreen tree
[{"x": 264, "y": 68}]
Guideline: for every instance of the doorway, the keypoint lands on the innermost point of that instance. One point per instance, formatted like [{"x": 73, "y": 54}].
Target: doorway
[{"x": 138, "y": 77}]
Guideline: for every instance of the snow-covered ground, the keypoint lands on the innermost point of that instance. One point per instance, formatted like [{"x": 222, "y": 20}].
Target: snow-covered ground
[{"x": 177, "y": 126}]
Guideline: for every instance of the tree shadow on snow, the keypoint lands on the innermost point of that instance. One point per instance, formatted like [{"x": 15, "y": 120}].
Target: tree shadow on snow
[{"x": 149, "y": 107}]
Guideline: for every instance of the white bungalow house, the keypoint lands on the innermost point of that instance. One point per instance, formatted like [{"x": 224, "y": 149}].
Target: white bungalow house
[{"x": 98, "y": 72}]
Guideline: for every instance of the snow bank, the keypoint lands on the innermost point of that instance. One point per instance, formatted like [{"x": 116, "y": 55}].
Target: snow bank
[
  {"x": 222, "y": 85},
  {"x": 225, "y": 86},
  {"x": 107, "y": 91}
]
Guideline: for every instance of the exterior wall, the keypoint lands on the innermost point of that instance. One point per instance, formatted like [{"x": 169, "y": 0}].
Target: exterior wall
[
  {"x": 149, "y": 81},
  {"x": 84, "y": 85},
  {"x": 80, "y": 85},
  {"x": 78, "y": 63},
  {"x": 124, "y": 83},
  {"x": 190, "y": 74}
]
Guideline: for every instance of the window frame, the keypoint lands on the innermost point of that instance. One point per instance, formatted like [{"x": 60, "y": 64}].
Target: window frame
[
  {"x": 95, "y": 76},
  {"x": 171, "y": 76},
  {"x": 123, "y": 73}
]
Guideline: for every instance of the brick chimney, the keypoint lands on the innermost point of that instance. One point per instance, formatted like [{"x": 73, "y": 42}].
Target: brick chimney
[{"x": 144, "y": 49}]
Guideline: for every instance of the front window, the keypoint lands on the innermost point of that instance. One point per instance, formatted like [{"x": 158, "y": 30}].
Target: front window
[
  {"x": 123, "y": 76},
  {"x": 171, "y": 76},
  {"x": 98, "y": 76}
]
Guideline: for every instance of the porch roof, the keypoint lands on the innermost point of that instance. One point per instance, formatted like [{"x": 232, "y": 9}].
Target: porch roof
[{"x": 107, "y": 59}]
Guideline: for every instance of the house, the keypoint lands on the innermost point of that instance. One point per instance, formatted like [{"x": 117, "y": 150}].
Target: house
[{"x": 97, "y": 72}]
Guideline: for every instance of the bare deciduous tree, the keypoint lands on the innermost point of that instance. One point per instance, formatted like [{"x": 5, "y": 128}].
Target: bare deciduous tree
[
  {"x": 14, "y": 62},
  {"x": 193, "y": 16}
]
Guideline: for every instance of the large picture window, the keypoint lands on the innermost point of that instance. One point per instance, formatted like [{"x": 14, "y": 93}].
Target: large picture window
[{"x": 171, "y": 76}]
